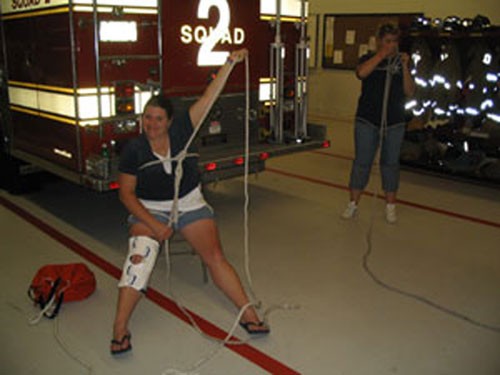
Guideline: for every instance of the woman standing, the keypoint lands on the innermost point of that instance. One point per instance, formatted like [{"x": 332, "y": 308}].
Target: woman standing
[
  {"x": 371, "y": 116},
  {"x": 148, "y": 193}
]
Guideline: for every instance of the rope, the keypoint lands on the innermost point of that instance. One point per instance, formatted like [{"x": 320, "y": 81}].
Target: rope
[
  {"x": 55, "y": 332},
  {"x": 36, "y": 319},
  {"x": 220, "y": 343},
  {"x": 183, "y": 154},
  {"x": 391, "y": 66},
  {"x": 174, "y": 217},
  {"x": 65, "y": 348},
  {"x": 177, "y": 158},
  {"x": 246, "y": 234},
  {"x": 227, "y": 340},
  {"x": 246, "y": 225},
  {"x": 50, "y": 304}
]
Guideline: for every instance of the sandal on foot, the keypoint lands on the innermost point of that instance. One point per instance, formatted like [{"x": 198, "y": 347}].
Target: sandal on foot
[
  {"x": 247, "y": 327},
  {"x": 127, "y": 336}
]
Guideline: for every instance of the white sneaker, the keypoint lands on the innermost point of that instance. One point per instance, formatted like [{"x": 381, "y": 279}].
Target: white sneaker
[
  {"x": 350, "y": 211},
  {"x": 390, "y": 213}
]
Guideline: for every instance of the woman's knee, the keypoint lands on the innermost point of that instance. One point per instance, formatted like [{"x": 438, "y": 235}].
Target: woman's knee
[
  {"x": 390, "y": 167},
  {"x": 362, "y": 166},
  {"x": 214, "y": 257},
  {"x": 360, "y": 175},
  {"x": 140, "y": 229}
]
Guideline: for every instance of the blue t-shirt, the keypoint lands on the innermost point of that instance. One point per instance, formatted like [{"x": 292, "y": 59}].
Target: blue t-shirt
[
  {"x": 153, "y": 183},
  {"x": 371, "y": 100}
]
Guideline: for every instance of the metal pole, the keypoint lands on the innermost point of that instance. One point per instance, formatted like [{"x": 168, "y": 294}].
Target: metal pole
[
  {"x": 305, "y": 96},
  {"x": 160, "y": 44},
  {"x": 298, "y": 86},
  {"x": 278, "y": 21},
  {"x": 97, "y": 67},
  {"x": 276, "y": 72},
  {"x": 9, "y": 131},
  {"x": 301, "y": 75},
  {"x": 280, "y": 82},
  {"x": 75, "y": 85}
]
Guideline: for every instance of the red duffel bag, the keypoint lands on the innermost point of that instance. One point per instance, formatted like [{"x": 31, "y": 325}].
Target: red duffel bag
[{"x": 56, "y": 283}]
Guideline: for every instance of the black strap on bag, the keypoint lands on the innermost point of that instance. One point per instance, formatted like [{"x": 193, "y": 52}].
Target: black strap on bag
[{"x": 54, "y": 300}]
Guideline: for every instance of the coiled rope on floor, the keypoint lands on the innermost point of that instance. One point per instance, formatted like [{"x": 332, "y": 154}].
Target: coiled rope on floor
[
  {"x": 49, "y": 307},
  {"x": 35, "y": 320}
]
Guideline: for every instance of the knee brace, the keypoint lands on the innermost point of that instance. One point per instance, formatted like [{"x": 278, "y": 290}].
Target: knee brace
[{"x": 136, "y": 275}]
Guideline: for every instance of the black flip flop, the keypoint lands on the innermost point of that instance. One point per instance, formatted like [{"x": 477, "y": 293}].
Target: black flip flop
[
  {"x": 128, "y": 336},
  {"x": 246, "y": 326}
]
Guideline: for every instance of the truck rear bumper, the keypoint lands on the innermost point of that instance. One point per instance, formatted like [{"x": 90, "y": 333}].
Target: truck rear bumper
[{"x": 215, "y": 163}]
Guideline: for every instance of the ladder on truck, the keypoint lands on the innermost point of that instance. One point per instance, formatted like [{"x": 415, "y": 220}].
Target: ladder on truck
[
  {"x": 277, "y": 60},
  {"x": 151, "y": 86}
]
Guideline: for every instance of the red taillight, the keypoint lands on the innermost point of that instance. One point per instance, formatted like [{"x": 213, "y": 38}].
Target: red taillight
[
  {"x": 124, "y": 89},
  {"x": 239, "y": 161},
  {"x": 114, "y": 185},
  {"x": 124, "y": 97},
  {"x": 128, "y": 91},
  {"x": 325, "y": 144},
  {"x": 264, "y": 156},
  {"x": 210, "y": 166}
]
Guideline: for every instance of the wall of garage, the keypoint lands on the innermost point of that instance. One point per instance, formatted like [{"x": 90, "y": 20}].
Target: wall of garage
[{"x": 334, "y": 93}]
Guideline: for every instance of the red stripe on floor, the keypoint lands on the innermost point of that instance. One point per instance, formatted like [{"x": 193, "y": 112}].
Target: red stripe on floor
[
  {"x": 332, "y": 155},
  {"x": 248, "y": 352},
  {"x": 400, "y": 201}
]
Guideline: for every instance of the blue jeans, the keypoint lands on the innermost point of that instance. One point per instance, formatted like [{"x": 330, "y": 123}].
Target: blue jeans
[{"x": 366, "y": 141}]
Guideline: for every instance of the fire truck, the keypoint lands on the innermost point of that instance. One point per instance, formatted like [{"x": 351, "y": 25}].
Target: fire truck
[{"x": 75, "y": 75}]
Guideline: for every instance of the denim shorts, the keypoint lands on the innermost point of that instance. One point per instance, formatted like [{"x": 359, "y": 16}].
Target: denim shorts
[{"x": 185, "y": 218}]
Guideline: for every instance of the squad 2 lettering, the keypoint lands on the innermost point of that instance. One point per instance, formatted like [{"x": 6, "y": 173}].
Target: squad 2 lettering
[{"x": 199, "y": 34}]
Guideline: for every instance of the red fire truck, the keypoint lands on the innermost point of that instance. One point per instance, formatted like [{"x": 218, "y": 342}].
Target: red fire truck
[{"x": 75, "y": 75}]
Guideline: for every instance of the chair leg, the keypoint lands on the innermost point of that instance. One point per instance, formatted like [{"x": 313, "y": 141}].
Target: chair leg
[
  {"x": 189, "y": 251},
  {"x": 205, "y": 272},
  {"x": 204, "y": 268}
]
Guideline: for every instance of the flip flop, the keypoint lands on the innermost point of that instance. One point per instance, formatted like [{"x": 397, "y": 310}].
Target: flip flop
[
  {"x": 127, "y": 336},
  {"x": 246, "y": 326}
]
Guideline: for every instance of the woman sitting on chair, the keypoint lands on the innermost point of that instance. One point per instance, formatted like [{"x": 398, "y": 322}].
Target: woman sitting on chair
[{"x": 148, "y": 193}]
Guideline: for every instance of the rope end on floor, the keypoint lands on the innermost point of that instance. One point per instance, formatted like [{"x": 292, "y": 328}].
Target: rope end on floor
[
  {"x": 283, "y": 306},
  {"x": 177, "y": 372}
]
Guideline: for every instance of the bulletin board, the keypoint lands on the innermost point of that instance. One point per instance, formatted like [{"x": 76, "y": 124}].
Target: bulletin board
[{"x": 347, "y": 37}]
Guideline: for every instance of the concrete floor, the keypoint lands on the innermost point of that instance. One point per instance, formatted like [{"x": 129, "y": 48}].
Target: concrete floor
[{"x": 445, "y": 248}]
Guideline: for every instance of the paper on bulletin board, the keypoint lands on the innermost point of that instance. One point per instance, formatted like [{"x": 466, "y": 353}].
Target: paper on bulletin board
[
  {"x": 350, "y": 37},
  {"x": 329, "y": 51},
  {"x": 372, "y": 44},
  {"x": 329, "y": 37},
  {"x": 363, "y": 50},
  {"x": 338, "y": 56}
]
